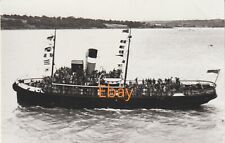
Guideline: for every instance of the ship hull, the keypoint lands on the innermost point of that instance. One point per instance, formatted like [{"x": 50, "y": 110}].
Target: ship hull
[{"x": 50, "y": 100}]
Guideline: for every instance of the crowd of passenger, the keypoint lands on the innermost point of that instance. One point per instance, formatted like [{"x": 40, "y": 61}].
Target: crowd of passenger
[
  {"x": 167, "y": 87},
  {"x": 159, "y": 86},
  {"x": 64, "y": 75}
]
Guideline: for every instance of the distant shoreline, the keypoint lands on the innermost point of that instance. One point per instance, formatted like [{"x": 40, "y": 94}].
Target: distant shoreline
[
  {"x": 17, "y": 22},
  {"x": 120, "y": 28}
]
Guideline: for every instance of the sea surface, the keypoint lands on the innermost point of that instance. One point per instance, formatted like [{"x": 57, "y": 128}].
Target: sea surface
[{"x": 160, "y": 53}]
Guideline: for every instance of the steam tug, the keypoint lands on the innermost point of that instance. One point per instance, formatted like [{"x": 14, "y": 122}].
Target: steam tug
[{"x": 82, "y": 86}]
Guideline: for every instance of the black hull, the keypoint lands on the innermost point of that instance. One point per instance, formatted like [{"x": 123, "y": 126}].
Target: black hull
[{"x": 30, "y": 98}]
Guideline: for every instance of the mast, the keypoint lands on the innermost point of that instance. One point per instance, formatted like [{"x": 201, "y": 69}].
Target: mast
[
  {"x": 128, "y": 53},
  {"x": 53, "y": 58}
]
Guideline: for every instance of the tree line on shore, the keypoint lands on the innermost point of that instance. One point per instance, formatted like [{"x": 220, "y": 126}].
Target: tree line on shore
[{"x": 43, "y": 22}]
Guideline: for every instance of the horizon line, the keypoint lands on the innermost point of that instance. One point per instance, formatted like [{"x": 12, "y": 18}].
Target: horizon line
[{"x": 113, "y": 19}]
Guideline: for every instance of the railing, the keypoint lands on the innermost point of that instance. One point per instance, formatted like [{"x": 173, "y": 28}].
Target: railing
[
  {"x": 138, "y": 89},
  {"x": 84, "y": 86},
  {"x": 199, "y": 81},
  {"x": 28, "y": 80},
  {"x": 182, "y": 81},
  {"x": 25, "y": 84},
  {"x": 73, "y": 89}
]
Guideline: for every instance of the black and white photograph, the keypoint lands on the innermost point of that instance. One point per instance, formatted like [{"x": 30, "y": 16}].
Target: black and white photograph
[{"x": 112, "y": 71}]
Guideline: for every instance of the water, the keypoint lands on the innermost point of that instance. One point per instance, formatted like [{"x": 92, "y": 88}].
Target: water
[{"x": 159, "y": 53}]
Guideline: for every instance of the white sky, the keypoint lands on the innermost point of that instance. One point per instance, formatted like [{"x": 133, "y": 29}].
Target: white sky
[{"x": 118, "y": 9}]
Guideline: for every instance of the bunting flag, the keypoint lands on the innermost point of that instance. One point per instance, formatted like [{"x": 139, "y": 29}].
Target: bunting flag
[
  {"x": 47, "y": 62},
  {"x": 121, "y": 47},
  {"x": 48, "y": 49},
  {"x": 126, "y": 30},
  {"x": 119, "y": 65},
  {"x": 121, "y": 51},
  {"x": 214, "y": 71},
  {"x": 46, "y": 55},
  {"x": 50, "y": 37},
  {"x": 123, "y": 41},
  {"x": 121, "y": 55}
]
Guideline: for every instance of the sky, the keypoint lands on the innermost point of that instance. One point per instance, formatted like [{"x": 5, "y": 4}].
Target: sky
[{"x": 137, "y": 10}]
